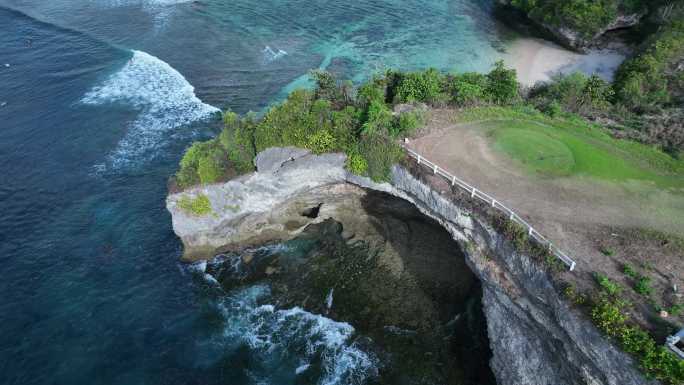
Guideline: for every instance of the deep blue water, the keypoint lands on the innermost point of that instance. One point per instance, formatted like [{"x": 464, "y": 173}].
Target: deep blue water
[{"x": 97, "y": 107}]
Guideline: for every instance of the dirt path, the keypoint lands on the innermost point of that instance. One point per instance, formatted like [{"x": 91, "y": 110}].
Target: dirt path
[{"x": 569, "y": 211}]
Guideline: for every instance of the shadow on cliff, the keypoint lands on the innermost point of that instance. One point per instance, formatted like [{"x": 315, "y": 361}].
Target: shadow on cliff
[{"x": 423, "y": 251}]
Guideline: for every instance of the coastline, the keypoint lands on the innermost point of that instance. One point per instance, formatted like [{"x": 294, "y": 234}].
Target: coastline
[{"x": 538, "y": 60}]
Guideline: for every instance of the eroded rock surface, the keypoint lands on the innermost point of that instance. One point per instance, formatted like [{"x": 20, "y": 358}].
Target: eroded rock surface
[{"x": 535, "y": 337}]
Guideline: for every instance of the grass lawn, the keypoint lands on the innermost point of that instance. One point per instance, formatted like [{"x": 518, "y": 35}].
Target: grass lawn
[{"x": 560, "y": 147}]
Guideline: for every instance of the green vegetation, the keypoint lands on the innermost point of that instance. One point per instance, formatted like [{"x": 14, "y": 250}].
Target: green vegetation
[
  {"x": 333, "y": 117},
  {"x": 642, "y": 283},
  {"x": 607, "y": 251},
  {"x": 566, "y": 146},
  {"x": 575, "y": 93},
  {"x": 523, "y": 243},
  {"x": 610, "y": 314},
  {"x": 630, "y": 272},
  {"x": 648, "y": 81},
  {"x": 607, "y": 285},
  {"x": 588, "y": 17},
  {"x": 643, "y": 286},
  {"x": 199, "y": 205}
]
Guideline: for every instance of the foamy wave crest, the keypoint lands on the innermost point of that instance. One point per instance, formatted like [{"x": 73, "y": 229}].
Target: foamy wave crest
[
  {"x": 164, "y": 97},
  {"x": 271, "y": 55},
  {"x": 276, "y": 335},
  {"x": 144, "y": 3}
]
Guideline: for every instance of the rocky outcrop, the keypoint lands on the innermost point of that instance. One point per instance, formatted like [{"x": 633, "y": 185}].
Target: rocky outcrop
[
  {"x": 567, "y": 34},
  {"x": 535, "y": 337}
]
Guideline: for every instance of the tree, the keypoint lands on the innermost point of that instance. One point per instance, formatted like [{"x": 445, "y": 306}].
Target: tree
[{"x": 502, "y": 84}]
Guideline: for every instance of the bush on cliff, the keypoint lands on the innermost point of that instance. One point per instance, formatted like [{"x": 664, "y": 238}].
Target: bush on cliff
[
  {"x": 203, "y": 162},
  {"x": 332, "y": 117},
  {"x": 575, "y": 93},
  {"x": 651, "y": 79},
  {"x": 586, "y": 17},
  {"x": 609, "y": 313}
]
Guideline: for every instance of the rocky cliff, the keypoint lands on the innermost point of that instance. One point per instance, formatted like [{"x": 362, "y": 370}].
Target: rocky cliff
[
  {"x": 578, "y": 24},
  {"x": 535, "y": 337}
]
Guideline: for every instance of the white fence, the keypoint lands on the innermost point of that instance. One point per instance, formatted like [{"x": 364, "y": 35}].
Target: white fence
[{"x": 475, "y": 193}]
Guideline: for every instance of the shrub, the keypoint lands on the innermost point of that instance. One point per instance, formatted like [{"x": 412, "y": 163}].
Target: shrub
[
  {"x": 502, "y": 84},
  {"x": 630, "y": 272},
  {"x": 425, "y": 86},
  {"x": 656, "y": 362},
  {"x": 237, "y": 139},
  {"x": 378, "y": 118},
  {"x": 608, "y": 315},
  {"x": 516, "y": 233},
  {"x": 356, "y": 164},
  {"x": 574, "y": 93},
  {"x": 326, "y": 85},
  {"x": 648, "y": 81},
  {"x": 321, "y": 141},
  {"x": 610, "y": 287},
  {"x": 373, "y": 90},
  {"x": 406, "y": 123},
  {"x": 643, "y": 286},
  {"x": 345, "y": 125},
  {"x": 380, "y": 153},
  {"x": 607, "y": 251},
  {"x": 198, "y": 205},
  {"x": 468, "y": 89},
  {"x": 286, "y": 124},
  {"x": 203, "y": 162}
]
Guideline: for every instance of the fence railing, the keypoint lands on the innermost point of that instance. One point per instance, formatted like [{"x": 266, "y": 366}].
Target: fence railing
[{"x": 475, "y": 193}]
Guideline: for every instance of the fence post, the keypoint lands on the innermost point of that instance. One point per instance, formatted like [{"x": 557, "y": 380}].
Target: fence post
[
  {"x": 510, "y": 217},
  {"x": 453, "y": 181},
  {"x": 419, "y": 159},
  {"x": 493, "y": 202},
  {"x": 530, "y": 231},
  {"x": 472, "y": 193},
  {"x": 572, "y": 266},
  {"x": 434, "y": 171}
]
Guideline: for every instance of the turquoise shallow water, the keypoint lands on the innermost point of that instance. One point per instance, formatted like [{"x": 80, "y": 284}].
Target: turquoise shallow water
[{"x": 101, "y": 97}]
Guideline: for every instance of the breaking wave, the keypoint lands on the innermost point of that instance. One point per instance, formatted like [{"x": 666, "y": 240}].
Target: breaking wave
[
  {"x": 271, "y": 55},
  {"x": 164, "y": 97},
  {"x": 292, "y": 342}
]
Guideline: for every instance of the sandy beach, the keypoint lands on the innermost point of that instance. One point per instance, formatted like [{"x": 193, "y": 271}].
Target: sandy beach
[{"x": 538, "y": 60}]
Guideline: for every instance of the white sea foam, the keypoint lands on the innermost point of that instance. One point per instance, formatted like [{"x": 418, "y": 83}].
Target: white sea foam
[
  {"x": 210, "y": 278},
  {"x": 200, "y": 266},
  {"x": 271, "y": 55},
  {"x": 329, "y": 299},
  {"x": 302, "y": 368},
  {"x": 275, "y": 334},
  {"x": 164, "y": 97},
  {"x": 143, "y": 3}
]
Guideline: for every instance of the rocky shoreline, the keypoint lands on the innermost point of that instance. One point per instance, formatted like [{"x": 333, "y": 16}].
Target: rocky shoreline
[
  {"x": 570, "y": 37},
  {"x": 534, "y": 336}
]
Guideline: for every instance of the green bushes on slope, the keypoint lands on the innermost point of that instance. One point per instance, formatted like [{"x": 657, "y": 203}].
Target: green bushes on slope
[
  {"x": 650, "y": 80},
  {"x": 587, "y": 17}
]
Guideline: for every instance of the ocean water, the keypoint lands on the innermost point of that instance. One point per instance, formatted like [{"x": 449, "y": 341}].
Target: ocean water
[{"x": 98, "y": 99}]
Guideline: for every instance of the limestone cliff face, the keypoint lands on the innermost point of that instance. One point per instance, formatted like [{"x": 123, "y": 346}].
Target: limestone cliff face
[{"x": 535, "y": 337}]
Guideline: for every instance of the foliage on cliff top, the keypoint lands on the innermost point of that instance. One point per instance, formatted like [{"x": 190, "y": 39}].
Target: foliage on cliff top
[
  {"x": 654, "y": 78},
  {"x": 335, "y": 117},
  {"x": 198, "y": 205},
  {"x": 610, "y": 313},
  {"x": 587, "y": 17}
]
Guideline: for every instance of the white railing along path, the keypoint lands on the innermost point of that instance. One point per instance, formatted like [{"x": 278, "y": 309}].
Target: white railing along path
[{"x": 475, "y": 193}]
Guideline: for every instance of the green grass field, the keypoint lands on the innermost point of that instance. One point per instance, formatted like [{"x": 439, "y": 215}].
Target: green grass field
[{"x": 551, "y": 147}]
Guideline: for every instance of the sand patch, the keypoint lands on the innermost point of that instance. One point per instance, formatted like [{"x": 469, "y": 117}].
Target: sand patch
[{"x": 538, "y": 60}]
